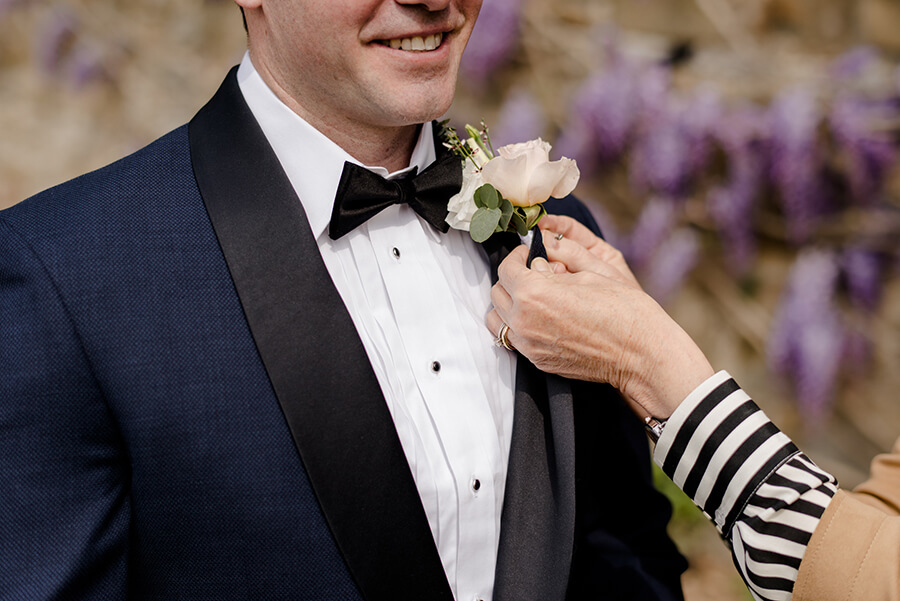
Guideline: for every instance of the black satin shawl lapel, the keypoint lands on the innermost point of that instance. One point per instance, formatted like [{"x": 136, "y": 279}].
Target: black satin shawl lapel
[
  {"x": 538, "y": 525},
  {"x": 313, "y": 356}
]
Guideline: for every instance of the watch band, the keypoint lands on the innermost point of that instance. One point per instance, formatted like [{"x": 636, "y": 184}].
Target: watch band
[{"x": 654, "y": 427}]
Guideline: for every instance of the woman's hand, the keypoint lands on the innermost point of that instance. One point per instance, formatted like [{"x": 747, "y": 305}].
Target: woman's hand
[{"x": 584, "y": 316}]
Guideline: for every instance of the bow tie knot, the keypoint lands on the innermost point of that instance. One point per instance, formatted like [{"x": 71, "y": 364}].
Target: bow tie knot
[
  {"x": 406, "y": 187},
  {"x": 362, "y": 194}
]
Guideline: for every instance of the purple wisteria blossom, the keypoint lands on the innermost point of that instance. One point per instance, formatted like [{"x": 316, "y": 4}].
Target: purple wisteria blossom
[
  {"x": 660, "y": 160},
  {"x": 654, "y": 89},
  {"x": 868, "y": 152},
  {"x": 494, "y": 40},
  {"x": 608, "y": 109},
  {"x": 7, "y": 6},
  {"x": 808, "y": 339},
  {"x": 673, "y": 144},
  {"x": 853, "y": 63},
  {"x": 56, "y": 39},
  {"x": 521, "y": 118},
  {"x": 731, "y": 206},
  {"x": 862, "y": 271},
  {"x": 796, "y": 163},
  {"x": 675, "y": 259},
  {"x": 655, "y": 223},
  {"x": 702, "y": 114},
  {"x": 603, "y": 115}
]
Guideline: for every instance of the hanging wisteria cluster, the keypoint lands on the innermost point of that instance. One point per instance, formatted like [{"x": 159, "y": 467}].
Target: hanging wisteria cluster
[{"x": 791, "y": 171}]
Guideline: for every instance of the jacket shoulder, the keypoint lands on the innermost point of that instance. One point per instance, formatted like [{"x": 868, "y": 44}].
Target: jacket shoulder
[{"x": 130, "y": 186}]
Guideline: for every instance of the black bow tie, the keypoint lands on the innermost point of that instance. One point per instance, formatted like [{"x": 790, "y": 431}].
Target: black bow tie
[{"x": 362, "y": 194}]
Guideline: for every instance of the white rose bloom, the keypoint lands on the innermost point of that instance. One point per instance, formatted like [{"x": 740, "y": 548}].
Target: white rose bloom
[
  {"x": 524, "y": 174},
  {"x": 461, "y": 206}
]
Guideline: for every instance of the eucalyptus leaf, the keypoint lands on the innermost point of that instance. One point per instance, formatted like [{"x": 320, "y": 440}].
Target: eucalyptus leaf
[
  {"x": 487, "y": 197},
  {"x": 506, "y": 208},
  {"x": 518, "y": 222},
  {"x": 484, "y": 222}
]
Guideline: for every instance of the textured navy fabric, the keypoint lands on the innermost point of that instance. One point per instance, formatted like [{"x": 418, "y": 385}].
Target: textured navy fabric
[
  {"x": 139, "y": 431},
  {"x": 143, "y": 452}
]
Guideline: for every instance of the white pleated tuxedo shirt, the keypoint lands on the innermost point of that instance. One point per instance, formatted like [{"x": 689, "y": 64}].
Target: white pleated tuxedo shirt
[{"x": 418, "y": 299}]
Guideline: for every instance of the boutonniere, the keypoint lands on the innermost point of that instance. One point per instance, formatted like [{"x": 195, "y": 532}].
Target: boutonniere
[{"x": 504, "y": 191}]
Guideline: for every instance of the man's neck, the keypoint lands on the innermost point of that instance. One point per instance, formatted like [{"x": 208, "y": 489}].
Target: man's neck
[{"x": 388, "y": 147}]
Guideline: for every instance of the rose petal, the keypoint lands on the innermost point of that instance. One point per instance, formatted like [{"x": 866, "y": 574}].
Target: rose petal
[
  {"x": 461, "y": 206},
  {"x": 539, "y": 147},
  {"x": 541, "y": 182},
  {"x": 524, "y": 174},
  {"x": 509, "y": 176},
  {"x": 569, "y": 179}
]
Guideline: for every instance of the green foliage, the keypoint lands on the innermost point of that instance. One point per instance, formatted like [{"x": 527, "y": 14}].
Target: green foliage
[
  {"x": 518, "y": 224},
  {"x": 506, "y": 208},
  {"x": 484, "y": 223},
  {"x": 497, "y": 214},
  {"x": 533, "y": 214},
  {"x": 487, "y": 197}
]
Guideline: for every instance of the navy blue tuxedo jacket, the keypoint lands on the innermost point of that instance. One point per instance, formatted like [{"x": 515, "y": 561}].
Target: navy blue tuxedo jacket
[{"x": 186, "y": 411}]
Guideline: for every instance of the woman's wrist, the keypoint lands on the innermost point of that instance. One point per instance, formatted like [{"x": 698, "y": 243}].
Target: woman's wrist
[{"x": 676, "y": 371}]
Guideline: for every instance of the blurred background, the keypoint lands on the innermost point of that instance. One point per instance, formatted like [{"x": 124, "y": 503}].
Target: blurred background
[{"x": 741, "y": 153}]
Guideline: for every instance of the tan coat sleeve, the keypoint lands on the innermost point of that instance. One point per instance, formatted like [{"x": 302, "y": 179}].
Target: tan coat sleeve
[{"x": 854, "y": 552}]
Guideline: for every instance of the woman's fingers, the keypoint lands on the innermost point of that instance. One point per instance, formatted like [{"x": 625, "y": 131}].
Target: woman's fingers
[
  {"x": 493, "y": 322},
  {"x": 512, "y": 271},
  {"x": 577, "y": 259},
  {"x": 501, "y": 300},
  {"x": 569, "y": 228},
  {"x": 576, "y": 232}
]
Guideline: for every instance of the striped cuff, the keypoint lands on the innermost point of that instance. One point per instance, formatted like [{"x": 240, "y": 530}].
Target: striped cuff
[
  {"x": 718, "y": 447},
  {"x": 764, "y": 496}
]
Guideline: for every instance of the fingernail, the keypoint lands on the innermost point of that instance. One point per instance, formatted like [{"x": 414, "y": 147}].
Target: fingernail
[{"x": 540, "y": 265}]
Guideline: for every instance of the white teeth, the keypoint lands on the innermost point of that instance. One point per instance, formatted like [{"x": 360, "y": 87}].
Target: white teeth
[{"x": 417, "y": 43}]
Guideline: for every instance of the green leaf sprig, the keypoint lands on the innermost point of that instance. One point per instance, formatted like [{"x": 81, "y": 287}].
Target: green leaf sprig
[
  {"x": 497, "y": 214},
  {"x": 494, "y": 213}
]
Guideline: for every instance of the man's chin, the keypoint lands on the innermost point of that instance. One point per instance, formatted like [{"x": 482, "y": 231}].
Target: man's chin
[{"x": 418, "y": 111}]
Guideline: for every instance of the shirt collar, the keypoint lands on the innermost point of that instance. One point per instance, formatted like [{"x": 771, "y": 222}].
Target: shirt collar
[{"x": 312, "y": 162}]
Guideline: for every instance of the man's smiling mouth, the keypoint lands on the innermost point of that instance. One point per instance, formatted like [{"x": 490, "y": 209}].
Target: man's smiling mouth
[{"x": 415, "y": 44}]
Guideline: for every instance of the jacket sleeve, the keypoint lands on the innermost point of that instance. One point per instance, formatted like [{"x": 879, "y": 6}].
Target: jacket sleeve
[
  {"x": 64, "y": 509},
  {"x": 854, "y": 553},
  {"x": 622, "y": 549}
]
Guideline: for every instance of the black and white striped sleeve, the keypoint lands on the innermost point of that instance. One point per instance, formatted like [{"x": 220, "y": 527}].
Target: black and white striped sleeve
[{"x": 764, "y": 496}]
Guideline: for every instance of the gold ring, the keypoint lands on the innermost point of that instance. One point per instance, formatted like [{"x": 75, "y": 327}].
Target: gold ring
[{"x": 503, "y": 338}]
